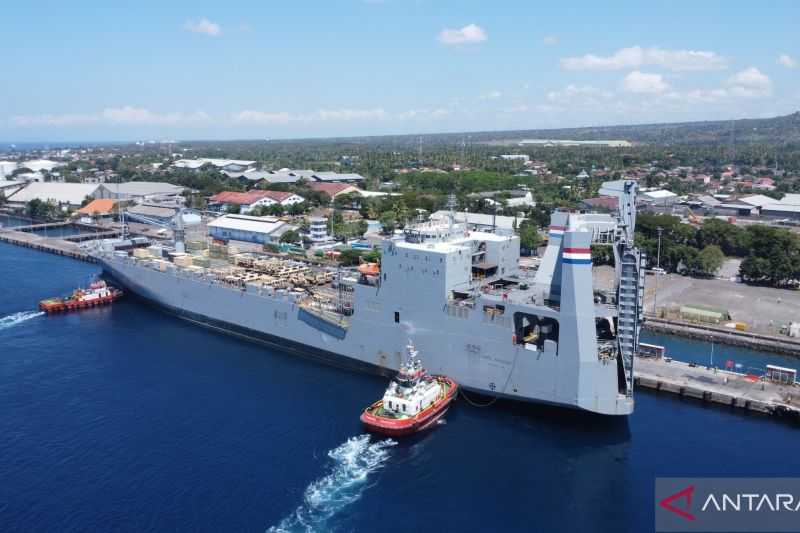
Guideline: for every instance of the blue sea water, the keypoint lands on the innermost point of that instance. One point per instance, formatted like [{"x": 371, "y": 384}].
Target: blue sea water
[{"x": 126, "y": 419}]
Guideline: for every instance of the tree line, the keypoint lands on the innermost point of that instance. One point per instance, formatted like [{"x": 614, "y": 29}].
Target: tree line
[{"x": 771, "y": 256}]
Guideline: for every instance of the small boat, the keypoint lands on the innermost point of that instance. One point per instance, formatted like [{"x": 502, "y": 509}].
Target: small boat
[
  {"x": 98, "y": 293},
  {"x": 413, "y": 401}
]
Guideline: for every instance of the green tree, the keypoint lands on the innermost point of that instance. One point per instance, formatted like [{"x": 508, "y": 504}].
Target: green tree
[
  {"x": 710, "y": 259},
  {"x": 233, "y": 209},
  {"x": 349, "y": 257},
  {"x": 291, "y": 236},
  {"x": 529, "y": 237},
  {"x": 388, "y": 221}
]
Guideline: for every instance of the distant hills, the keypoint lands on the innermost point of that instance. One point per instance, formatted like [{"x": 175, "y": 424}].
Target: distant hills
[{"x": 756, "y": 130}]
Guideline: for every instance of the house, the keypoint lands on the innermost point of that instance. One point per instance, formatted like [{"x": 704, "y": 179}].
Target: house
[
  {"x": 334, "y": 189},
  {"x": 66, "y": 195},
  {"x": 764, "y": 184},
  {"x": 252, "y": 199},
  {"x": 245, "y": 228},
  {"x": 101, "y": 208}
]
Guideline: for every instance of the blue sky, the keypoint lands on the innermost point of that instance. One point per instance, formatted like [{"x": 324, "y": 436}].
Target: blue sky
[{"x": 264, "y": 69}]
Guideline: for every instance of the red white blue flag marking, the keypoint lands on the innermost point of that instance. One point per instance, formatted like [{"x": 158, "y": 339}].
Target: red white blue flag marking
[
  {"x": 577, "y": 256},
  {"x": 556, "y": 232}
]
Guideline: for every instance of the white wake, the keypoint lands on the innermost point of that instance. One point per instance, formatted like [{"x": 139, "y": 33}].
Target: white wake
[
  {"x": 353, "y": 462},
  {"x": 18, "y": 318}
]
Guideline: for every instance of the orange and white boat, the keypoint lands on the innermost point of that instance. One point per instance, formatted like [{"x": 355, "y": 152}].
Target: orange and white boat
[
  {"x": 98, "y": 293},
  {"x": 413, "y": 402}
]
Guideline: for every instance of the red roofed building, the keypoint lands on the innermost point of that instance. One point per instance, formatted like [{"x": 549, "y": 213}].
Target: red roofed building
[{"x": 250, "y": 199}]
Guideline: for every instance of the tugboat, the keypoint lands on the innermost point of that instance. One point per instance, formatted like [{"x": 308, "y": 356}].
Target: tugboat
[
  {"x": 98, "y": 293},
  {"x": 413, "y": 401}
]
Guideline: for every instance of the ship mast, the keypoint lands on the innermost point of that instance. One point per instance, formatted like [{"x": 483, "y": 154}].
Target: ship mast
[{"x": 451, "y": 205}]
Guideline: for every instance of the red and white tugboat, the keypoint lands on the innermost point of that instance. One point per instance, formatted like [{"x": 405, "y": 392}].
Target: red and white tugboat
[
  {"x": 98, "y": 293},
  {"x": 414, "y": 400}
]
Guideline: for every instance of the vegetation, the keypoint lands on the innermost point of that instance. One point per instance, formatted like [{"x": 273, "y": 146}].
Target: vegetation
[
  {"x": 40, "y": 210},
  {"x": 771, "y": 255}
]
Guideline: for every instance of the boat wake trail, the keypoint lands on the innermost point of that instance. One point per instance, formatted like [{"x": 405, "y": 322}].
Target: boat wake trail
[
  {"x": 353, "y": 462},
  {"x": 18, "y": 318}
]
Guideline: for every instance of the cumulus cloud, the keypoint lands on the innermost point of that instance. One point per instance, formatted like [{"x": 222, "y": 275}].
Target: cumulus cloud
[
  {"x": 469, "y": 34},
  {"x": 203, "y": 26},
  {"x": 550, "y": 40},
  {"x": 642, "y": 82},
  {"x": 636, "y": 57},
  {"x": 751, "y": 83},
  {"x": 787, "y": 61}
]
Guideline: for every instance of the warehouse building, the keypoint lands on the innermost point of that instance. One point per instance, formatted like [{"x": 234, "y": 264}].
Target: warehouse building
[
  {"x": 262, "y": 230},
  {"x": 65, "y": 195}
]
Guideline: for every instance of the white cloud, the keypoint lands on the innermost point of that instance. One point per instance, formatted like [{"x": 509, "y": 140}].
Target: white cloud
[
  {"x": 575, "y": 93},
  {"x": 751, "y": 83},
  {"x": 126, "y": 115},
  {"x": 636, "y": 56},
  {"x": 469, "y": 34},
  {"x": 642, "y": 82},
  {"x": 550, "y": 40},
  {"x": 351, "y": 114},
  {"x": 787, "y": 61},
  {"x": 491, "y": 95},
  {"x": 260, "y": 117},
  {"x": 204, "y": 26}
]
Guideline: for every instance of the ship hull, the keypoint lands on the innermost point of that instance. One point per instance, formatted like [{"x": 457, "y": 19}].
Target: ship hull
[{"x": 456, "y": 349}]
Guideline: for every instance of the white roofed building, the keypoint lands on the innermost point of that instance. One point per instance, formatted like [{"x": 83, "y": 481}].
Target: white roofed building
[
  {"x": 247, "y": 228},
  {"x": 69, "y": 195},
  {"x": 659, "y": 197}
]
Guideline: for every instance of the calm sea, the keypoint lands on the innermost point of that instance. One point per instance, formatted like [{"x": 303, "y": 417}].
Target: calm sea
[{"x": 126, "y": 419}]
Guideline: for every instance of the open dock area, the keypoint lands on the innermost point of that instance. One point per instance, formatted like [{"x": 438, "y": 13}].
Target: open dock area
[{"x": 753, "y": 393}]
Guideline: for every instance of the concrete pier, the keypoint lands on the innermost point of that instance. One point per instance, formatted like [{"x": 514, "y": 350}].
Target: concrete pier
[
  {"x": 718, "y": 386},
  {"x": 45, "y": 244}
]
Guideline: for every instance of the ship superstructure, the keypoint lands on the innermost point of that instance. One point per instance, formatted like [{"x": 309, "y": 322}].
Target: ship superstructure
[{"x": 495, "y": 328}]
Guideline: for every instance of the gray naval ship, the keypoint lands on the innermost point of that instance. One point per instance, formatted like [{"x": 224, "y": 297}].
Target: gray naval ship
[{"x": 477, "y": 316}]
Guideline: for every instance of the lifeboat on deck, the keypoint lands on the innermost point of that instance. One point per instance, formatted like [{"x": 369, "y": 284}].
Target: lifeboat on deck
[
  {"x": 98, "y": 293},
  {"x": 414, "y": 400},
  {"x": 369, "y": 269}
]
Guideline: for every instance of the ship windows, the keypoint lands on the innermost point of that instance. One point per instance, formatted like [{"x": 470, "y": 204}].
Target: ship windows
[{"x": 397, "y": 317}]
